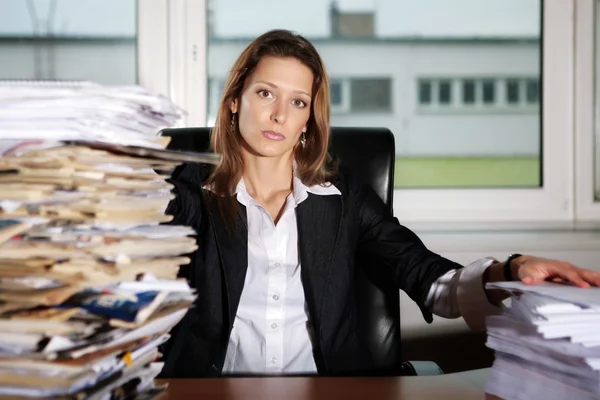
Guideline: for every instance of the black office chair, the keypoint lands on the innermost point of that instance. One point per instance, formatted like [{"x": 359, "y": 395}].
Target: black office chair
[{"x": 369, "y": 153}]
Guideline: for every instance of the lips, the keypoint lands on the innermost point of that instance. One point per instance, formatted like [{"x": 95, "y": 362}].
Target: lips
[{"x": 272, "y": 135}]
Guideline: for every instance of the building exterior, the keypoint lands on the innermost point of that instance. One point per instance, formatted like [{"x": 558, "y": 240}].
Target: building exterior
[
  {"x": 464, "y": 97},
  {"x": 452, "y": 80}
]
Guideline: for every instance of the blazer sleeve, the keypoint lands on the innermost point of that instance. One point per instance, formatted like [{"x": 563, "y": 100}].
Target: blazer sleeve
[{"x": 395, "y": 252}]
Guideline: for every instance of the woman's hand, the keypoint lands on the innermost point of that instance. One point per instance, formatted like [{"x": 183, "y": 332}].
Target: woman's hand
[{"x": 531, "y": 270}]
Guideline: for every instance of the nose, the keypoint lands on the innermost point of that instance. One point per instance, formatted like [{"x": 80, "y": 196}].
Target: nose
[{"x": 279, "y": 113}]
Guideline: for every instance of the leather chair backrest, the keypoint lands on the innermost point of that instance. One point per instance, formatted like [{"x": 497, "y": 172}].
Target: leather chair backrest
[{"x": 369, "y": 155}]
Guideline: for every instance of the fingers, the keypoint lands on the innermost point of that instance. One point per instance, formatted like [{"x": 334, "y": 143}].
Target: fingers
[
  {"x": 592, "y": 277},
  {"x": 537, "y": 270},
  {"x": 574, "y": 275},
  {"x": 562, "y": 271},
  {"x": 588, "y": 276}
]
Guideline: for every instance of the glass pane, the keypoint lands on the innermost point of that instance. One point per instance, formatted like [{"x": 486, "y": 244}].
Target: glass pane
[
  {"x": 489, "y": 92},
  {"x": 512, "y": 91},
  {"x": 336, "y": 93},
  {"x": 444, "y": 92},
  {"x": 532, "y": 91},
  {"x": 373, "y": 94},
  {"x": 424, "y": 92},
  {"x": 418, "y": 68},
  {"x": 91, "y": 40},
  {"x": 468, "y": 91}
]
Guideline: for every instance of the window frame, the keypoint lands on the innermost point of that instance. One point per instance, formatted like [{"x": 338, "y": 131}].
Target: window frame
[
  {"x": 508, "y": 208},
  {"x": 183, "y": 78},
  {"x": 172, "y": 54},
  {"x": 587, "y": 15},
  {"x": 152, "y": 46}
]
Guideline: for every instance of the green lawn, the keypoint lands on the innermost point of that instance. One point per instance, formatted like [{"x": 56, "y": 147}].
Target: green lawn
[{"x": 457, "y": 172}]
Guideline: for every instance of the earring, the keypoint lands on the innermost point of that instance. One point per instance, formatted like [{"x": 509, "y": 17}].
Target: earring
[
  {"x": 303, "y": 140},
  {"x": 232, "y": 121}
]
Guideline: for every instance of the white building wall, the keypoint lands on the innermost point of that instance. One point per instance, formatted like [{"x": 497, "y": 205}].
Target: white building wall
[
  {"x": 393, "y": 18},
  {"x": 106, "y": 62},
  {"x": 454, "y": 132}
]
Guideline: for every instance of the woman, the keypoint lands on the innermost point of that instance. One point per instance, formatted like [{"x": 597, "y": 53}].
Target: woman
[{"x": 279, "y": 229}]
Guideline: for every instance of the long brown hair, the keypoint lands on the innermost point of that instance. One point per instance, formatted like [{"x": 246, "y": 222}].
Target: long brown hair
[{"x": 313, "y": 166}]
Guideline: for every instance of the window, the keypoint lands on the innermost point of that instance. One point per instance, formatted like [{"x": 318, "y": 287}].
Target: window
[
  {"x": 476, "y": 145},
  {"x": 512, "y": 92},
  {"x": 533, "y": 91},
  {"x": 586, "y": 118},
  {"x": 371, "y": 94},
  {"x": 336, "y": 93},
  {"x": 484, "y": 158},
  {"x": 442, "y": 87},
  {"x": 468, "y": 91},
  {"x": 340, "y": 95},
  {"x": 479, "y": 94},
  {"x": 380, "y": 56},
  {"x": 489, "y": 92},
  {"x": 66, "y": 40},
  {"x": 444, "y": 92},
  {"x": 424, "y": 92}
]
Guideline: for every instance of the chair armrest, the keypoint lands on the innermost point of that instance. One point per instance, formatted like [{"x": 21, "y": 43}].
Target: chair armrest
[{"x": 422, "y": 368}]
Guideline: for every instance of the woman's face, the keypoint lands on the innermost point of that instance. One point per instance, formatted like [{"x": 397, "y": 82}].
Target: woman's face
[{"x": 274, "y": 107}]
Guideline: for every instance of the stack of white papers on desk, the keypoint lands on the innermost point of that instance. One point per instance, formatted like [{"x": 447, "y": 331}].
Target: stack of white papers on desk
[
  {"x": 126, "y": 115},
  {"x": 88, "y": 270},
  {"x": 547, "y": 343}
]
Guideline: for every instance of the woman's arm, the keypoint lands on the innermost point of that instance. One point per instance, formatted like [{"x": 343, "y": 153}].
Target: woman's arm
[
  {"x": 440, "y": 285},
  {"x": 396, "y": 255},
  {"x": 531, "y": 270}
]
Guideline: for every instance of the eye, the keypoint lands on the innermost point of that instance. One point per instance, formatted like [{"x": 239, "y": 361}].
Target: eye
[
  {"x": 265, "y": 94},
  {"x": 299, "y": 103}
]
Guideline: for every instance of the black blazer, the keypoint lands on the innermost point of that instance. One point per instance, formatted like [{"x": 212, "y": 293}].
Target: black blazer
[{"x": 332, "y": 231}]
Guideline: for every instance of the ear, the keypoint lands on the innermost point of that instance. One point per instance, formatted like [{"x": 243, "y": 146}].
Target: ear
[{"x": 233, "y": 106}]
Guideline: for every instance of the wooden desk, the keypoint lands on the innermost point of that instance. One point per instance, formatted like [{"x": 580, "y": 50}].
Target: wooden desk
[{"x": 464, "y": 386}]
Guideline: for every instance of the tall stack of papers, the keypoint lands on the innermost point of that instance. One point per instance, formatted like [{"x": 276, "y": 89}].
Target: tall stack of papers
[
  {"x": 547, "y": 343},
  {"x": 88, "y": 270},
  {"x": 83, "y": 111}
]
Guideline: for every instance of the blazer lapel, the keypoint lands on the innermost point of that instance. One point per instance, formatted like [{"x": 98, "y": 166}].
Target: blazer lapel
[
  {"x": 319, "y": 219},
  {"x": 233, "y": 252}
]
